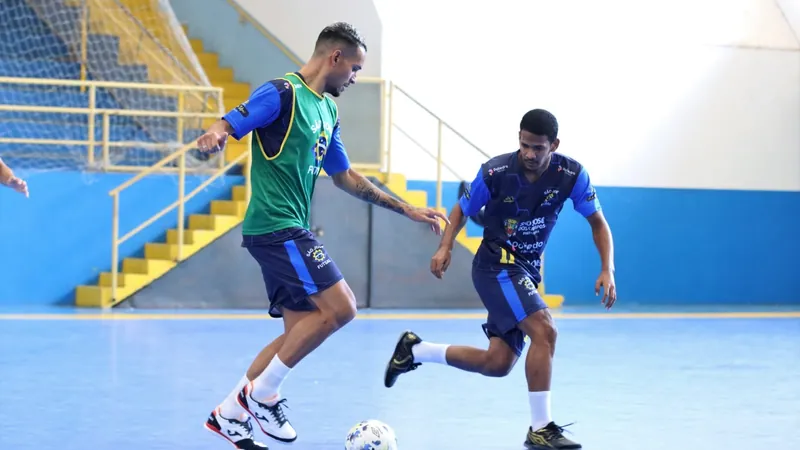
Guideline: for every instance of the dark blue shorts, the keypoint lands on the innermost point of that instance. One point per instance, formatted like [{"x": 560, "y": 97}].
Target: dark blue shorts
[
  {"x": 295, "y": 266},
  {"x": 509, "y": 295}
]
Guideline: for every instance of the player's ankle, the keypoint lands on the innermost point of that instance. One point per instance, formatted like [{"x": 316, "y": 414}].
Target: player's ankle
[
  {"x": 267, "y": 385},
  {"x": 428, "y": 352},
  {"x": 540, "y": 409}
]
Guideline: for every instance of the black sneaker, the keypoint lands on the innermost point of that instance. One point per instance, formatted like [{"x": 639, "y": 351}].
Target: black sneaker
[
  {"x": 237, "y": 432},
  {"x": 549, "y": 437},
  {"x": 403, "y": 359}
]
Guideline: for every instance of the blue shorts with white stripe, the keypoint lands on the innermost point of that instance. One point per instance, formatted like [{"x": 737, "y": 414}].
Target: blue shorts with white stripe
[
  {"x": 295, "y": 266},
  {"x": 509, "y": 294}
]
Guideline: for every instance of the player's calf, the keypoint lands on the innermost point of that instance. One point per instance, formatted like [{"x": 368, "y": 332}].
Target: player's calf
[{"x": 497, "y": 361}]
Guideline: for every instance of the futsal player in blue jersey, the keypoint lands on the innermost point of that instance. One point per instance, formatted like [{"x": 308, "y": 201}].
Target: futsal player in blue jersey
[{"x": 522, "y": 194}]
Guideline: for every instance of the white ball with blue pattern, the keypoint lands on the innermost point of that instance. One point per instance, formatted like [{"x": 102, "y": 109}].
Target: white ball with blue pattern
[{"x": 371, "y": 435}]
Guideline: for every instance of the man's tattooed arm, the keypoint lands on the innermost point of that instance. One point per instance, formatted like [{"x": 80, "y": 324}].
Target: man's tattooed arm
[{"x": 359, "y": 186}]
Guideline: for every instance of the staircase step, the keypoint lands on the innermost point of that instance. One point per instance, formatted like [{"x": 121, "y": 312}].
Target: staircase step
[
  {"x": 160, "y": 251},
  {"x": 553, "y": 301},
  {"x": 190, "y": 237},
  {"x": 233, "y": 101},
  {"x": 125, "y": 280},
  {"x": 235, "y": 149},
  {"x": 92, "y": 296},
  {"x": 238, "y": 90},
  {"x": 144, "y": 266},
  {"x": 415, "y": 198},
  {"x": 197, "y": 46},
  {"x": 228, "y": 208},
  {"x": 396, "y": 183},
  {"x": 212, "y": 222},
  {"x": 471, "y": 243},
  {"x": 218, "y": 75},
  {"x": 208, "y": 59},
  {"x": 240, "y": 193}
]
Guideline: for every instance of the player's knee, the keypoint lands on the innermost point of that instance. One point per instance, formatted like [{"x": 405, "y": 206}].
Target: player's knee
[
  {"x": 541, "y": 328},
  {"x": 338, "y": 306},
  {"x": 545, "y": 328},
  {"x": 347, "y": 312},
  {"x": 498, "y": 360},
  {"x": 497, "y": 367}
]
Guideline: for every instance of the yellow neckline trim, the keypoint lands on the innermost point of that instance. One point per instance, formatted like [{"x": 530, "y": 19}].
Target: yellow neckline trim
[{"x": 304, "y": 84}]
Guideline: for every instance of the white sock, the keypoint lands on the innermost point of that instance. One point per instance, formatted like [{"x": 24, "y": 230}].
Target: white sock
[
  {"x": 266, "y": 387},
  {"x": 230, "y": 407},
  {"x": 429, "y": 352},
  {"x": 540, "y": 409}
]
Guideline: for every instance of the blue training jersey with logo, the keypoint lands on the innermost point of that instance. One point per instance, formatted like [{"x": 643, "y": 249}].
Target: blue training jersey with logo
[{"x": 519, "y": 215}]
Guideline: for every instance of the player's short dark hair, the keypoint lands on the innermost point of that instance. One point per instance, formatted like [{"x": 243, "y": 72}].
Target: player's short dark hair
[
  {"x": 541, "y": 123},
  {"x": 340, "y": 33}
]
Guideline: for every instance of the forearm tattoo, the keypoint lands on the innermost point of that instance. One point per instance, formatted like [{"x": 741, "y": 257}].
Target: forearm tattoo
[{"x": 372, "y": 194}]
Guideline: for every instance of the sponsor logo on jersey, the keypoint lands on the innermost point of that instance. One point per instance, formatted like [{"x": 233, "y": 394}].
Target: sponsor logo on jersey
[
  {"x": 242, "y": 108},
  {"x": 566, "y": 171},
  {"x": 498, "y": 169}
]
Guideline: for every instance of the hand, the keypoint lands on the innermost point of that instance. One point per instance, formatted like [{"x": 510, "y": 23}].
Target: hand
[
  {"x": 212, "y": 142},
  {"x": 606, "y": 279},
  {"x": 18, "y": 185},
  {"x": 440, "y": 262},
  {"x": 428, "y": 215}
]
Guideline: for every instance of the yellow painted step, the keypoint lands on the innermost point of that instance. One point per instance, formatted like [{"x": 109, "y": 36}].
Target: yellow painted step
[
  {"x": 236, "y": 90},
  {"x": 219, "y": 75},
  {"x": 212, "y": 222},
  {"x": 553, "y": 300},
  {"x": 396, "y": 183},
  {"x": 234, "y": 149},
  {"x": 160, "y": 251},
  {"x": 191, "y": 237},
  {"x": 416, "y": 198},
  {"x": 197, "y": 45},
  {"x": 124, "y": 280},
  {"x": 92, "y": 296},
  {"x": 136, "y": 273},
  {"x": 150, "y": 267},
  {"x": 208, "y": 59},
  {"x": 233, "y": 102},
  {"x": 228, "y": 208},
  {"x": 470, "y": 242},
  {"x": 240, "y": 193}
]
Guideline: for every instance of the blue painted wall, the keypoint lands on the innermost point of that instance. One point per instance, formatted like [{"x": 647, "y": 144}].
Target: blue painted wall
[
  {"x": 677, "y": 246},
  {"x": 60, "y": 237}
]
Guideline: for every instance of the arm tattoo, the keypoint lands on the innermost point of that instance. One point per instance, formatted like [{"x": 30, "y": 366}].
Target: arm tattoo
[{"x": 370, "y": 193}]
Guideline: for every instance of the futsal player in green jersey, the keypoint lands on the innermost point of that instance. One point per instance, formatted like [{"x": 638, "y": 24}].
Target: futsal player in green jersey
[{"x": 296, "y": 133}]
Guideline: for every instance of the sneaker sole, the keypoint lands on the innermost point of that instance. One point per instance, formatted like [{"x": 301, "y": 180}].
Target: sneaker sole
[
  {"x": 389, "y": 364},
  {"x": 220, "y": 435},
  {"x": 270, "y": 435},
  {"x": 539, "y": 447}
]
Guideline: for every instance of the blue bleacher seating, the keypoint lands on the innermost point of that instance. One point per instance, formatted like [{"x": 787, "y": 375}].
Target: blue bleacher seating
[{"x": 30, "y": 49}]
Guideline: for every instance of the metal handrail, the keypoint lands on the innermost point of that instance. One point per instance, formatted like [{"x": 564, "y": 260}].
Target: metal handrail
[
  {"x": 179, "y": 203},
  {"x": 92, "y": 112}
]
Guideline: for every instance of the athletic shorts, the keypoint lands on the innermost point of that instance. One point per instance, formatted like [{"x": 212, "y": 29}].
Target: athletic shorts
[
  {"x": 295, "y": 266},
  {"x": 509, "y": 295}
]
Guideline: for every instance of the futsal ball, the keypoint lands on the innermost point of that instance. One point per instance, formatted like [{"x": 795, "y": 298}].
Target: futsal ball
[{"x": 371, "y": 435}]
